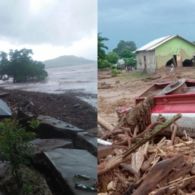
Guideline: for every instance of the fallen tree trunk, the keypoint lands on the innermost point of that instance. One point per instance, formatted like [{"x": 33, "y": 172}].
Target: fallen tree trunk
[{"x": 117, "y": 160}]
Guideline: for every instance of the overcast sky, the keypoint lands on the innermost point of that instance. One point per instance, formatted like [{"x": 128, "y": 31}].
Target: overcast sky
[
  {"x": 144, "y": 20},
  {"x": 50, "y": 27}
]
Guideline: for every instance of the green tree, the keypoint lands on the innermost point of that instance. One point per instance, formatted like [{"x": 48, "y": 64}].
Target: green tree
[
  {"x": 21, "y": 66},
  {"x": 101, "y": 46},
  {"x": 102, "y": 61},
  {"x": 125, "y": 50},
  {"x": 130, "y": 61},
  {"x": 122, "y": 46},
  {"x": 112, "y": 57}
]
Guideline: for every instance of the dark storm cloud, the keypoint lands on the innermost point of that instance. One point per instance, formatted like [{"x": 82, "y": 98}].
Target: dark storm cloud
[
  {"x": 142, "y": 21},
  {"x": 58, "y": 22}
]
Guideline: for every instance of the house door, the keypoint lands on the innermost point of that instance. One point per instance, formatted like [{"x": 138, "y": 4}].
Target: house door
[
  {"x": 145, "y": 65},
  {"x": 179, "y": 60},
  {"x": 175, "y": 60}
]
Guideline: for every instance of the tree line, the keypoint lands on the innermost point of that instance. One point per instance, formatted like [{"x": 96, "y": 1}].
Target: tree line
[
  {"x": 19, "y": 65},
  {"x": 124, "y": 50}
]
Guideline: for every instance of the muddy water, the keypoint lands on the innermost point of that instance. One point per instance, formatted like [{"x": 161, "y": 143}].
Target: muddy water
[{"x": 79, "y": 79}]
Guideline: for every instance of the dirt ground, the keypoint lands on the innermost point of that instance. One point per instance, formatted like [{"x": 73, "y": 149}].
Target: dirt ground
[
  {"x": 122, "y": 90},
  {"x": 66, "y": 107}
]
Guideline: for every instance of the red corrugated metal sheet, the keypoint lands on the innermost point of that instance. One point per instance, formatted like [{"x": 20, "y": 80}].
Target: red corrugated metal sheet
[{"x": 182, "y": 103}]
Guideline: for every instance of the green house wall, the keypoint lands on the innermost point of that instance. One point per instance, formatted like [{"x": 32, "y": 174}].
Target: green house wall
[{"x": 175, "y": 46}]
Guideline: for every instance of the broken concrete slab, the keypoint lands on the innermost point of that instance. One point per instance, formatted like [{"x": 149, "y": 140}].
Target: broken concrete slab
[
  {"x": 64, "y": 164},
  {"x": 43, "y": 145},
  {"x": 93, "y": 131},
  {"x": 86, "y": 141},
  {"x": 53, "y": 128},
  {"x": 5, "y": 110}
]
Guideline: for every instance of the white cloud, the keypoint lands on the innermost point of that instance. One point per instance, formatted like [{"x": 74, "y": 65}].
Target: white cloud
[
  {"x": 36, "y": 6},
  {"x": 85, "y": 47},
  {"x": 50, "y": 27}
]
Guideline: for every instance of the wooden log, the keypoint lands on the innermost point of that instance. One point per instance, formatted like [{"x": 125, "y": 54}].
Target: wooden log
[
  {"x": 117, "y": 160},
  {"x": 142, "y": 134},
  {"x": 129, "y": 168},
  {"x": 180, "y": 132},
  {"x": 105, "y": 124},
  {"x": 174, "y": 131},
  {"x": 157, "y": 173}
]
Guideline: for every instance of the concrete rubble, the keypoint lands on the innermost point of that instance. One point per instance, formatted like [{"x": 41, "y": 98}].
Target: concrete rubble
[
  {"x": 62, "y": 152},
  {"x": 66, "y": 164},
  {"x": 62, "y": 145}
]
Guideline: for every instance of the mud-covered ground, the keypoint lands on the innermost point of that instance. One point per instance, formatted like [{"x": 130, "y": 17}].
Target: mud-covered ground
[
  {"x": 122, "y": 90},
  {"x": 66, "y": 107}
]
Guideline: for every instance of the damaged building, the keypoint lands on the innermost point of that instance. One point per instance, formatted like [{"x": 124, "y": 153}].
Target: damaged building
[{"x": 165, "y": 51}]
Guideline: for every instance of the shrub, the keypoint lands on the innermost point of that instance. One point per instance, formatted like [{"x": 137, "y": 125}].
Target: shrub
[
  {"x": 14, "y": 144},
  {"x": 115, "y": 72},
  {"x": 104, "y": 64}
]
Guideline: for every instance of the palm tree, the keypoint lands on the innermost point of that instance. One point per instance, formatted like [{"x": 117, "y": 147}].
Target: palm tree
[{"x": 101, "y": 47}]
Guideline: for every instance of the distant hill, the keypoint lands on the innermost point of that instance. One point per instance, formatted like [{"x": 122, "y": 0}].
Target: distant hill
[{"x": 67, "y": 61}]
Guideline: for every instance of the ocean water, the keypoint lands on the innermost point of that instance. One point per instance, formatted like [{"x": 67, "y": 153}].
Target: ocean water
[{"x": 78, "y": 79}]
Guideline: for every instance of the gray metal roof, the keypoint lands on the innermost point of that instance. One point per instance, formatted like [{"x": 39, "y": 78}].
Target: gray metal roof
[{"x": 155, "y": 43}]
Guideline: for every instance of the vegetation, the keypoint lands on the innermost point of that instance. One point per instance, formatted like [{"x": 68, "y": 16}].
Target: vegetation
[
  {"x": 112, "y": 57},
  {"x": 115, "y": 72},
  {"x": 34, "y": 124},
  {"x": 102, "y": 57},
  {"x": 33, "y": 183},
  {"x": 14, "y": 144},
  {"x": 15, "y": 148},
  {"x": 124, "y": 46},
  {"x": 19, "y": 65},
  {"x": 126, "y": 51}
]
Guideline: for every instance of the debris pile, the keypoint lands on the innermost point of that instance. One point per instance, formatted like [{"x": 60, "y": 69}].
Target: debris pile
[{"x": 143, "y": 159}]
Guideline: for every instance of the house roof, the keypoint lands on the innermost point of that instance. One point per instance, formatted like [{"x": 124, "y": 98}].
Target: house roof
[{"x": 157, "y": 42}]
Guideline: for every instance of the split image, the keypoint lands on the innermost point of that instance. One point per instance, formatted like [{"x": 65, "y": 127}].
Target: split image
[{"x": 97, "y": 97}]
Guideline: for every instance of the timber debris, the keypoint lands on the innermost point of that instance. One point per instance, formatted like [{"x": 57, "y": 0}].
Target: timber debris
[{"x": 143, "y": 159}]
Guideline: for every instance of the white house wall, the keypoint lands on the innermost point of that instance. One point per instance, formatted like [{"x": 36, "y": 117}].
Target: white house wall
[{"x": 150, "y": 61}]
